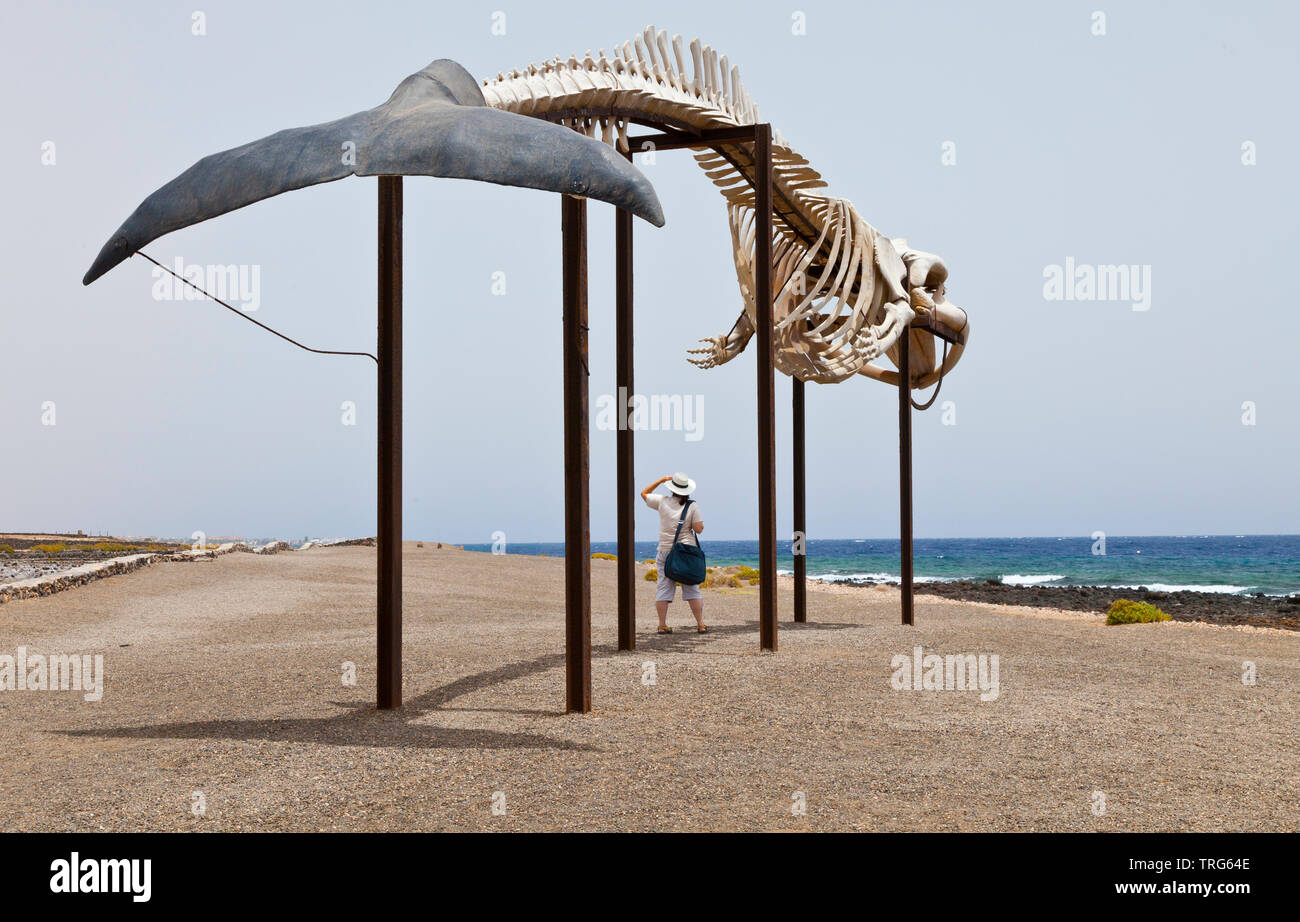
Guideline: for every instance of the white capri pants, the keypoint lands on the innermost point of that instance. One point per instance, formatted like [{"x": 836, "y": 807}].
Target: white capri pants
[{"x": 666, "y": 589}]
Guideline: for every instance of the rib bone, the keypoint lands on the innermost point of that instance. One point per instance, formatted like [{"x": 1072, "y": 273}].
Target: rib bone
[{"x": 842, "y": 293}]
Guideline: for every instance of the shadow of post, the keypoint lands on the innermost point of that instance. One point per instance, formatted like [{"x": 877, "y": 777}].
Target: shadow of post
[{"x": 363, "y": 725}]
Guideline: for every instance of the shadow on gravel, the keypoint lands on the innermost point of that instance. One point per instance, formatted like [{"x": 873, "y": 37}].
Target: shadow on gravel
[
  {"x": 685, "y": 639},
  {"x": 363, "y": 725}
]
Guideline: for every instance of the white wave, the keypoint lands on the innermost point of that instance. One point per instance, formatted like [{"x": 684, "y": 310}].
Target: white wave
[
  {"x": 845, "y": 577},
  {"x": 1015, "y": 579},
  {"x": 1170, "y": 587},
  {"x": 880, "y": 578},
  {"x": 1033, "y": 579}
]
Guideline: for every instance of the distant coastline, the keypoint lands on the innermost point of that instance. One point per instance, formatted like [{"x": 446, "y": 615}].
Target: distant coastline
[
  {"x": 1229, "y": 565},
  {"x": 1225, "y": 579},
  {"x": 1221, "y": 579}
]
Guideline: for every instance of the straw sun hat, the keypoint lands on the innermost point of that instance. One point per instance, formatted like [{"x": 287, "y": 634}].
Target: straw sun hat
[{"x": 681, "y": 484}]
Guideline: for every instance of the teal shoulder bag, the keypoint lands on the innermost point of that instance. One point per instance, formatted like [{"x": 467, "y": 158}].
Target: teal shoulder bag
[{"x": 685, "y": 562}]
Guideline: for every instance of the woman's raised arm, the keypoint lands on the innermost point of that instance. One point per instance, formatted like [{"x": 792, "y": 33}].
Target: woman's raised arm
[{"x": 650, "y": 489}]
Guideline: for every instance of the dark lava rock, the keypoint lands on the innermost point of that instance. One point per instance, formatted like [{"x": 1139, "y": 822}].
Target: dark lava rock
[{"x": 1181, "y": 606}]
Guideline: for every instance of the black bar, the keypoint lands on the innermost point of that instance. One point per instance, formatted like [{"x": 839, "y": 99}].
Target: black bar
[
  {"x": 389, "y": 536},
  {"x": 905, "y": 470},
  {"x": 766, "y": 392},
  {"x": 188, "y": 867},
  {"x": 625, "y": 458},
  {"x": 797, "y": 474},
  {"x": 577, "y": 524}
]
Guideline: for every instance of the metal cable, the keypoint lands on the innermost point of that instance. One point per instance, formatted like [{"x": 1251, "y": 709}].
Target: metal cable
[
  {"x": 938, "y": 385},
  {"x": 238, "y": 312}
]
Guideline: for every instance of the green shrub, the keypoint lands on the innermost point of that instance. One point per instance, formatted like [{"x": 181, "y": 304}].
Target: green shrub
[
  {"x": 651, "y": 575},
  {"x": 601, "y": 555},
  {"x": 722, "y": 578},
  {"x": 113, "y": 547},
  {"x": 1126, "y": 611},
  {"x": 6, "y": 549},
  {"x": 57, "y": 548},
  {"x": 747, "y": 573}
]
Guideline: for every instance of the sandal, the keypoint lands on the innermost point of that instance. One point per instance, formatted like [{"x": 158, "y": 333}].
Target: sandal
[
  {"x": 701, "y": 630},
  {"x": 665, "y": 630}
]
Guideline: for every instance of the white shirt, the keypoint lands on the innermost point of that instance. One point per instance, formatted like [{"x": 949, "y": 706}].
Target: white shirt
[{"x": 670, "y": 510}]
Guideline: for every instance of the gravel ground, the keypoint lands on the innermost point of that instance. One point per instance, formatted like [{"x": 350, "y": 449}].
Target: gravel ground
[{"x": 223, "y": 678}]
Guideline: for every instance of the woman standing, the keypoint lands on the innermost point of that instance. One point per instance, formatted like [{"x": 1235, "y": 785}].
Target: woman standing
[{"x": 670, "y": 513}]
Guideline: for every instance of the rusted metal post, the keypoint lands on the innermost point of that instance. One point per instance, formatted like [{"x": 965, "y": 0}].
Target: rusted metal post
[
  {"x": 797, "y": 473},
  {"x": 577, "y": 524},
  {"x": 389, "y": 535},
  {"x": 766, "y": 392},
  {"x": 905, "y": 470},
  {"x": 624, "y": 459}
]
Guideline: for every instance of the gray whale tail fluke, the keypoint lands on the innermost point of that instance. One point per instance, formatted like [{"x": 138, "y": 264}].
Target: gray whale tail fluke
[{"x": 436, "y": 123}]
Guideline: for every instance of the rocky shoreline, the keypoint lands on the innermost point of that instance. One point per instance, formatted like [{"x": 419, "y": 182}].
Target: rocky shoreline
[{"x": 1213, "y": 607}]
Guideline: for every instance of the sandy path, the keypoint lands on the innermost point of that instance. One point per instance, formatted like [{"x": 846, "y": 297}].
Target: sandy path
[{"x": 224, "y": 677}]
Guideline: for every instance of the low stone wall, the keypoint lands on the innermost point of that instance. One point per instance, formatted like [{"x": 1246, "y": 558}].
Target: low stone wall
[
  {"x": 210, "y": 553},
  {"x": 75, "y": 576},
  {"x": 274, "y": 547},
  {"x": 86, "y": 573},
  {"x": 353, "y": 542},
  {"x": 343, "y": 542}
]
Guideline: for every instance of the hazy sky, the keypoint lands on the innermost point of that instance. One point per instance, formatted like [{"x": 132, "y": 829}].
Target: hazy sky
[{"x": 1071, "y": 415}]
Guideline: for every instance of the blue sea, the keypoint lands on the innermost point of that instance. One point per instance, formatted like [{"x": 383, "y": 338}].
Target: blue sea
[{"x": 1233, "y": 564}]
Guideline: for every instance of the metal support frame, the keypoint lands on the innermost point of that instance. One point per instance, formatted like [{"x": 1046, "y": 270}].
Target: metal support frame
[
  {"x": 624, "y": 462},
  {"x": 675, "y": 139},
  {"x": 941, "y": 330},
  {"x": 707, "y": 137},
  {"x": 797, "y": 485},
  {"x": 766, "y": 394},
  {"x": 905, "y": 470},
  {"x": 577, "y": 462},
  {"x": 761, "y": 137},
  {"x": 388, "y": 693},
  {"x": 576, "y": 442},
  {"x": 715, "y": 138}
]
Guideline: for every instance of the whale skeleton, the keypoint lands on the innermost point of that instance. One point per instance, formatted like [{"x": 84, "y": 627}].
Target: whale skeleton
[{"x": 842, "y": 293}]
